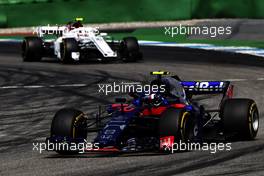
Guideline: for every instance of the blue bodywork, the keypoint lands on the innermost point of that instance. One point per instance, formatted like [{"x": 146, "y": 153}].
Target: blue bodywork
[{"x": 112, "y": 132}]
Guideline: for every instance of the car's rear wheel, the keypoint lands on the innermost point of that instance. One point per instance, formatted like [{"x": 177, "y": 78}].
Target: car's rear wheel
[
  {"x": 32, "y": 49},
  {"x": 240, "y": 119},
  {"x": 68, "y": 47},
  {"x": 180, "y": 124},
  {"x": 129, "y": 49},
  {"x": 69, "y": 123}
]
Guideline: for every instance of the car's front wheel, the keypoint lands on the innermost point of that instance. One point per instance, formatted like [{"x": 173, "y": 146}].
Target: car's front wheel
[
  {"x": 69, "y": 123},
  {"x": 68, "y": 48}
]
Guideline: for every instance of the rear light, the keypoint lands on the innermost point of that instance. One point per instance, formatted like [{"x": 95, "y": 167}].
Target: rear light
[{"x": 166, "y": 143}]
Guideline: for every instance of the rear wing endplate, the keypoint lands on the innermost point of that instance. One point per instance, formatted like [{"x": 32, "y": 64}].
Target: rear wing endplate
[{"x": 205, "y": 87}]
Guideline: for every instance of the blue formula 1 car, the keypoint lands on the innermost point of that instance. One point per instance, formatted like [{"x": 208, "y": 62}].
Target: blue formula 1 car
[{"x": 158, "y": 120}]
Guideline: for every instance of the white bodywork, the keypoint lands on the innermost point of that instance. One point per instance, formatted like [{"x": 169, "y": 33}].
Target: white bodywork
[{"x": 85, "y": 36}]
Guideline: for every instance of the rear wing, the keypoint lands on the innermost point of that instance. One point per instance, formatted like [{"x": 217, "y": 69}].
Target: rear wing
[{"x": 206, "y": 87}]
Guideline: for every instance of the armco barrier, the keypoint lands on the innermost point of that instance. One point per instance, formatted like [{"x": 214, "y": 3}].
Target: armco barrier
[{"x": 41, "y": 12}]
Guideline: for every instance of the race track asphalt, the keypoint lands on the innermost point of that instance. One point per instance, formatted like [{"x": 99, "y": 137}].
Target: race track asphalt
[{"x": 26, "y": 112}]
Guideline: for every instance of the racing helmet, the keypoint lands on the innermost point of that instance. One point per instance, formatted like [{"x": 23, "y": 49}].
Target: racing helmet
[{"x": 78, "y": 23}]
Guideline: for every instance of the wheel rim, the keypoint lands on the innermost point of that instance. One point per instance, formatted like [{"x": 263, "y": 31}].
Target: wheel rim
[{"x": 195, "y": 130}]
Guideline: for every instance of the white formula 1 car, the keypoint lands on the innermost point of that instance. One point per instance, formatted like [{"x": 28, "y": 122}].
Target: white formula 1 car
[{"x": 75, "y": 42}]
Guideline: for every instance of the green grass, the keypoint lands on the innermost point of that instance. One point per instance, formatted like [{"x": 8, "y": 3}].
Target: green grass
[
  {"x": 12, "y": 37},
  {"x": 156, "y": 34}
]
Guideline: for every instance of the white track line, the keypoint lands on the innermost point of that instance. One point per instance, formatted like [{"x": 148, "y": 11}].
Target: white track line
[
  {"x": 260, "y": 79},
  {"x": 238, "y": 80},
  {"x": 42, "y": 86}
]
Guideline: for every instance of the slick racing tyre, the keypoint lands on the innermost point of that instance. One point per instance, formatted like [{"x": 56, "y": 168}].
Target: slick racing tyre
[
  {"x": 129, "y": 50},
  {"x": 32, "y": 49},
  {"x": 69, "y": 123},
  {"x": 240, "y": 119},
  {"x": 180, "y": 124},
  {"x": 68, "y": 46}
]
